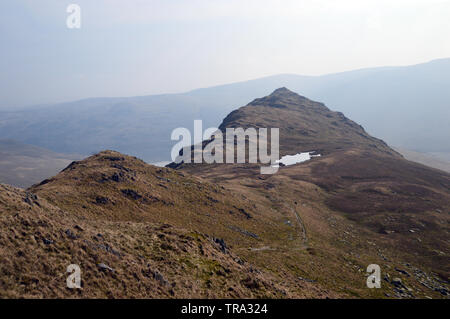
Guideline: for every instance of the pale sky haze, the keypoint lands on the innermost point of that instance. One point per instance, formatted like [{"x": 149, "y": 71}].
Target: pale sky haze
[{"x": 141, "y": 47}]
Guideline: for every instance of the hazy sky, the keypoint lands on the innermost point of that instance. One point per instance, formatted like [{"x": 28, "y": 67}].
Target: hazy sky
[{"x": 140, "y": 47}]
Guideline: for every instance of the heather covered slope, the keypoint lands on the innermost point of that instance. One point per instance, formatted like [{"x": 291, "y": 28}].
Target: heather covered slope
[
  {"x": 128, "y": 259},
  {"x": 116, "y": 187},
  {"x": 352, "y": 162},
  {"x": 141, "y": 231},
  {"x": 143, "y": 221}
]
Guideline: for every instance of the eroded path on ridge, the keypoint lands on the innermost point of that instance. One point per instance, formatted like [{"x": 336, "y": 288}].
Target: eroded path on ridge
[
  {"x": 300, "y": 230},
  {"x": 303, "y": 228}
]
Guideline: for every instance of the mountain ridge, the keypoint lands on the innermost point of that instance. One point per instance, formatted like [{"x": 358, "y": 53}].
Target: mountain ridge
[
  {"x": 314, "y": 126},
  {"x": 416, "y": 96},
  {"x": 225, "y": 230},
  {"x": 359, "y": 177}
]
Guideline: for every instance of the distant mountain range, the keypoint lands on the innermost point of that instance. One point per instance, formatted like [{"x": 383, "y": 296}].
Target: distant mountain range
[{"x": 405, "y": 106}]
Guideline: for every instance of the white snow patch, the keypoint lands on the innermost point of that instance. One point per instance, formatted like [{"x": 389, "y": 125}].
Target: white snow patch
[{"x": 295, "y": 159}]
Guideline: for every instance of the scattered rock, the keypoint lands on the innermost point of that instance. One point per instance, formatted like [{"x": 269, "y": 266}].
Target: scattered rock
[
  {"x": 117, "y": 177},
  {"x": 71, "y": 166},
  {"x": 101, "y": 200},
  {"x": 122, "y": 168},
  {"x": 307, "y": 279},
  {"x": 47, "y": 241},
  {"x": 244, "y": 232},
  {"x": 239, "y": 261},
  {"x": 404, "y": 272},
  {"x": 78, "y": 227},
  {"x": 70, "y": 234},
  {"x": 46, "y": 181},
  {"x": 222, "y": 245},
  {"x": 160, "y": 278},
  {"x": 114, "y": 158},
  {"x": 163, "y": 179},
  {"x": 212, "y": 199},
  {"x": 397, "y": 282},
  {"x": 250, "y": 283},
  {"x": 442, "y": 290},
  {"x": 104, "y": 267},
  {"x": 109, "y": 249},
  {"x": 244, "y": 212},
  {"x": 131, "y": 194},
  {"x": 31, "y": 199}
]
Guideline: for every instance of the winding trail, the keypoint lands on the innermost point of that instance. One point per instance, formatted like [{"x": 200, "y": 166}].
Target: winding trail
[
  {"x": 302, "y": 225},
  {"x": 303, "y": 244}
]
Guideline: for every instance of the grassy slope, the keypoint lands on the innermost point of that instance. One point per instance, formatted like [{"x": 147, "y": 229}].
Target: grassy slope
[
  {"x": 149, "y": 260},
  {"x": 150, "y": 220}
]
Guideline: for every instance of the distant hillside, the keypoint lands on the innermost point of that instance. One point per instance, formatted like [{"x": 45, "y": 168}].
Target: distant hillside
[
  {"x": 404, "y": 106},
  {"x": 402, "y": 205},
  {"x": 428, "y": 159},
  {"x": 22, "y": 165}
]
